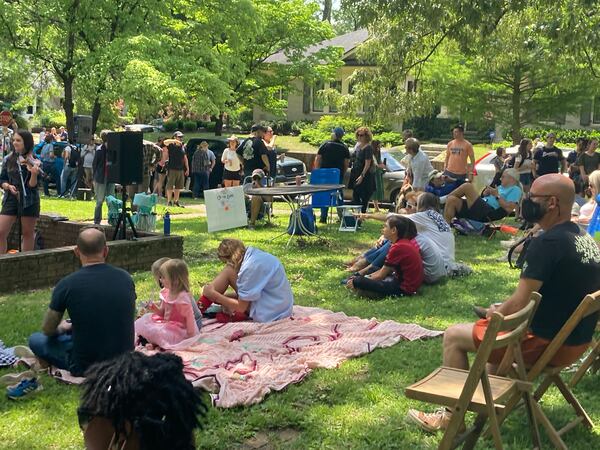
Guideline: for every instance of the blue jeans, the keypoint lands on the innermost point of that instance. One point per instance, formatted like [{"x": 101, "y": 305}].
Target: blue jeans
[
  {"x": 55, "y": 350},
  {"x": 200, "y": 183},
  {"x": 50, "y": 168},
  {"x": 376, "y": 256},
  {"x": 68, "y": 179}
]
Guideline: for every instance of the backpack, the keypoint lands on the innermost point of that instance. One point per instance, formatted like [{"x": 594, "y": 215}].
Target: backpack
[
  {"x": 306, "y": 216},
  {"x": 74, "y": 156},
  {"x": 468, "y": 227}
]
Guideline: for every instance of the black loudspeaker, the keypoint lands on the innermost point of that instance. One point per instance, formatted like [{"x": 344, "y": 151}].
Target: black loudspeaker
[
  {"x": 125, "y": 158},
  {"x": 82, "y": 132}
]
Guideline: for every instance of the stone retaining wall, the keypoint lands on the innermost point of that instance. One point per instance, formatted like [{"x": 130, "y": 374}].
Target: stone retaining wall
[{"x": 43, "y": 268}]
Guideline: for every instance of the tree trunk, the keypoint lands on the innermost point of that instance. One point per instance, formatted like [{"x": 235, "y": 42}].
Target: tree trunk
[
  {"x": 219, "y": 124},
  {"x": 68, "y": 105},
  {"x": 327, "y": 8},
  {"x": 516, "y": 107},
  {"x": 95, "y": 114}
]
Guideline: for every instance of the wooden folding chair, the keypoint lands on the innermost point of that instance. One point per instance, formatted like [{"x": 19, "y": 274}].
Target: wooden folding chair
[
  {"x": 592, "y": 360},
  {"x": 550, "y": 375},
  {"x": 474, "y": 390}
]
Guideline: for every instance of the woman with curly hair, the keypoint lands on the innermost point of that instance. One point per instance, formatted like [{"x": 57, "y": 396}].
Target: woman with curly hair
[
  {"x": 261, "y": 290},
  {"x": 139, "y": 402},
  {"x": 362, "y": 175}
]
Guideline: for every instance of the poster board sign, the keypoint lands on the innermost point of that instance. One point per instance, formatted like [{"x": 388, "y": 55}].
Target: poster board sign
[{"x": 225, "y": 208}]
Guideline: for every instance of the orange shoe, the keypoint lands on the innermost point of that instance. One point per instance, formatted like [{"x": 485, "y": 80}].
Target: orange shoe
[{"x": 432, "y": 422}]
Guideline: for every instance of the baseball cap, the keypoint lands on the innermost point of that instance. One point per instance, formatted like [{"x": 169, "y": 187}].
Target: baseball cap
[
  {"x": 258, "y": 173},
  {"x": 513, "y": 173},
  {"x": 338, "y": 131},
  {"x": 178, "y": 134},
  {"x": 435, "y": 174},
  {"x": 257, "y": 127}
]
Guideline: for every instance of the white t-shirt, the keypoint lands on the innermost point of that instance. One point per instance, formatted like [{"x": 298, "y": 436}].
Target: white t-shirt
[
  {"x": 231, "y": 155},
  {"x": 434, "y": 266},
  {"x": 432, "y": 225},
  {"x": 421, "y": 167}
]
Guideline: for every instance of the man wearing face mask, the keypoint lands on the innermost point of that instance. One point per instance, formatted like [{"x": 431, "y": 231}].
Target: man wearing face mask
[{"x": 562, "y": 264}]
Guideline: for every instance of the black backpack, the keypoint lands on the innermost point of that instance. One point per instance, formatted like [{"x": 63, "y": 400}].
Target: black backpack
[{"x": 74, "y": 156}]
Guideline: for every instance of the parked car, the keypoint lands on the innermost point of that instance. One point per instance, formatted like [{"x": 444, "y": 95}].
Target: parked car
[
  {"x": 484, "y": 171},
  {"x": 287, "y": 167},
  {"x": 392, "y": 179},
  {"x": 141, "y": 127}
]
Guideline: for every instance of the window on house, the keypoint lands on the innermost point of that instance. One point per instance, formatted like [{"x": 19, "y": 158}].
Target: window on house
[
  {"x": 30, "y": 109},
  {"x": 317, "y": 101},
  {"x": 411, "y": 86},
  {"x": 596, "y": 113},
  {"x": 337, "y": 85}
]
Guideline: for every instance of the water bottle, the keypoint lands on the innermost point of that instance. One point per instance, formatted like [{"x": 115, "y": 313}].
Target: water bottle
[
  {"x": 167, "y": 224},
  {"x": 594, "y": 225}
]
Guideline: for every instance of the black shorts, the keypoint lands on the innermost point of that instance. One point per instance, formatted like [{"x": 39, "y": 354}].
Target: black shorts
[
  {"x": 11, "y": 206},
  {"x": 229, "y": 175},
  {"x": 480, "y": 211}
]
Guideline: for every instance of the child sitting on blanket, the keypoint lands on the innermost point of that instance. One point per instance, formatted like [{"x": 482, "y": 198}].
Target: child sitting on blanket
[
  {"x": 173, "y": 321},
  {"x": 262, "y": 291},
  {"x": 155, "y": 269}
]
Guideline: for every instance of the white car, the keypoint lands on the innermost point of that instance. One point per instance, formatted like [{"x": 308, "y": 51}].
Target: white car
[{"x": 141, "y": 127}]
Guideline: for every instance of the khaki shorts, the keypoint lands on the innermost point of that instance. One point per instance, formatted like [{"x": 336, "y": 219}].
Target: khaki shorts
[{"x": 175, "y": 179}]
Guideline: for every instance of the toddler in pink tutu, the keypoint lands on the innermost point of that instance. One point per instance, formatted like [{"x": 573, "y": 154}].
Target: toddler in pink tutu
[{"x": 173, "y": 320}]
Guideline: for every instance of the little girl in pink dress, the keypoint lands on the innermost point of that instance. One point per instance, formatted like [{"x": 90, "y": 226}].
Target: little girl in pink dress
[{"x": 173, "y": 321}]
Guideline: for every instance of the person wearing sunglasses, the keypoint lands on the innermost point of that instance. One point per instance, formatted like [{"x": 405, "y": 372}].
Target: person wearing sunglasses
[
  {"x": 139, "y": 402},
  {"x": 362, "y": 175}
]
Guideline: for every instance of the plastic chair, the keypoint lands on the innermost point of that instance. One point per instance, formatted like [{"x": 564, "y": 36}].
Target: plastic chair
[
  {"x": 326, "y": 199},
  {"x": 145, "y": 217}
]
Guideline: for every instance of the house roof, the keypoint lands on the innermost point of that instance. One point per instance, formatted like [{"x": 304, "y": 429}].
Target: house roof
[{"x": 348, "y": 42}]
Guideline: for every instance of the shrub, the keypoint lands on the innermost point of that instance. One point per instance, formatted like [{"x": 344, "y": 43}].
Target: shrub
[
  {"x": 320, "y": 132},
  {"x": 389, "y": 138},
  {"x": 564, "y": 136},
  {"x": 170, "y": 125},
  {"x": 190, "y": 125},
  {"x": 22, "y": 122},
  {"x": 49, "y": 119}
]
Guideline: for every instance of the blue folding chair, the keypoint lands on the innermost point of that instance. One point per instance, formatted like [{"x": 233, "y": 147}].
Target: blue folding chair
[{"x": 326, "y": 199}]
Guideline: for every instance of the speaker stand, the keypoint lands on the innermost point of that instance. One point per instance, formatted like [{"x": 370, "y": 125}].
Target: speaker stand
[{"x": 124, "y": 219}]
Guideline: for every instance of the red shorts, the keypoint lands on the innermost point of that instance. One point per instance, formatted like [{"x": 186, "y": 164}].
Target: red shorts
[{"x": 532, "y": 348}]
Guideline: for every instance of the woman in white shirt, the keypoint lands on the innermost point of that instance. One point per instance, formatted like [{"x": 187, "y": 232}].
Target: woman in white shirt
[
  {"x": 231, "y": 161},
  {"x": 587, "y": 211}
]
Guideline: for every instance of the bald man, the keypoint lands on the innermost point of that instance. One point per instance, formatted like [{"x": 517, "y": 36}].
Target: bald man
[
  {"x": 562, "y": 264},
  {"x": 100, "y": 300}
]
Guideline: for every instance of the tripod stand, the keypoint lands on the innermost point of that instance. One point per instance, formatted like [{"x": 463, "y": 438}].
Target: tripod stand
[{"x": 124, "y": 218}]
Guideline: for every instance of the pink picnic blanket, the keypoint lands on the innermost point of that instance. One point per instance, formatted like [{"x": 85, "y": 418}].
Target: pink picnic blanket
[{"x": 242, "y": 362}]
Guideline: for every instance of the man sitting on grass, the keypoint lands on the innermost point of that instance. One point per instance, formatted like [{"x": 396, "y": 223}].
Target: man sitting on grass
[
  {"x": 562, "y": 264},
  {"x": 100, "y": 300},
  {"x": 493, "y": 204}
]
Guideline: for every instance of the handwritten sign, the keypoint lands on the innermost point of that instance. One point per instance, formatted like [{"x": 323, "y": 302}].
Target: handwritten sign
[{"x": 225, "y": 208}]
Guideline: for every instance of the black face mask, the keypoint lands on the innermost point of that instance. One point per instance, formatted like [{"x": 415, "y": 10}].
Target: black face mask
[{"x": 531, "y": 211}]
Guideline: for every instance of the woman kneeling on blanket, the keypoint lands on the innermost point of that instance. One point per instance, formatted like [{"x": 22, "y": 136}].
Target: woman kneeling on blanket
[
  {"x": 402, "y": 272},
  {"x": 262, "y": 291}
]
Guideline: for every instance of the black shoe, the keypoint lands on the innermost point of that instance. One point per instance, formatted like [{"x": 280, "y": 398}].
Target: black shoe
[
  {"x": 322, "y": 220},
  {"x": 169, "y": 203},
  {"x": 178, "y": 205}
]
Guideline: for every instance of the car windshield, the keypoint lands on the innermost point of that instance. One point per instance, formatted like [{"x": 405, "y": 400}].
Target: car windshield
[{"x": 392, "y": 163}]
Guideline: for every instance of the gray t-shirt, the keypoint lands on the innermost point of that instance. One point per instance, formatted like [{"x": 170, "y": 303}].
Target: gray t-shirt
[{"x": 434, "y": 266}]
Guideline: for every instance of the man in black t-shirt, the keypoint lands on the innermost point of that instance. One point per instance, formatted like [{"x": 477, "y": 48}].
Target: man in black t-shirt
[
  {"x": 254, "y": 153},
  {"x": 548, "y": 159},
  {"x": 100, "y": 300},
  {"x": 562, "y": 264},
  {"x": 178, "y": 168},
  {"x": 333, "y": 154}
]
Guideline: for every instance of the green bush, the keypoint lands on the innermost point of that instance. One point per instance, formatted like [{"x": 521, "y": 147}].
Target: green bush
[
  {"x": 170, "y": 125},
  {"x": 389, "y": 138},
  {"x": 22, "y": 122},
  {"x": 190, "y": 125},
  {"x": 564, "y": 136},
  {"x": 49, "y": 119},
  {"x": 317, "y": 137}
]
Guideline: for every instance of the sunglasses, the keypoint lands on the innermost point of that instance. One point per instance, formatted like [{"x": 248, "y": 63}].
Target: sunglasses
[
  {"x": 530, "y": 195},
  {"x": 410, "y": 205},
  {"x": 361, "y": 135}
]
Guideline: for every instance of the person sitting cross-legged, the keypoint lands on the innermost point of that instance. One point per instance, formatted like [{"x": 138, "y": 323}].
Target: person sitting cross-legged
[
  {"x": 562, "y": 264},
  {"x": 402, "y": 272},
  {"x": 493, "y": 204},
  {"x": 100, "y": 300},
  {"x": 261, "y": 290}
]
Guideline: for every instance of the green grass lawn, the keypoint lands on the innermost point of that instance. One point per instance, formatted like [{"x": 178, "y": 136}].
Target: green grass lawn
[{"x": 360, "y": 405}]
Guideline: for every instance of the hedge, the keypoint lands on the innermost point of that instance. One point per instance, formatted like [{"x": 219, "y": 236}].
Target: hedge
[{"x": 565, "y": 136}]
